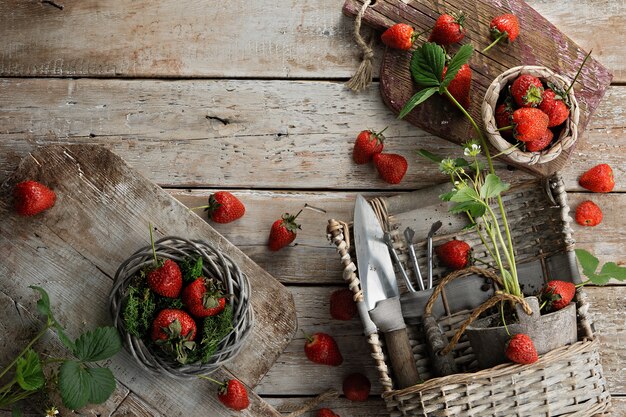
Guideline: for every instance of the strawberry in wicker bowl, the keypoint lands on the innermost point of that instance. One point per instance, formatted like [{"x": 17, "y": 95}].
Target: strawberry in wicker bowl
[
  {"x": 531, "y": 114},
  {"x": 182, "y": 307}
]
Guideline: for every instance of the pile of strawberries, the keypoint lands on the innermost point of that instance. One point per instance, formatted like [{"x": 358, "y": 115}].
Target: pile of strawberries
[{"x": 369, "y": 146}]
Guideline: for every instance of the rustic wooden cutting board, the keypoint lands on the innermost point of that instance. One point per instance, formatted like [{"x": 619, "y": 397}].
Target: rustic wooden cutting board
[
  {"x": 540, "y": 43},
  {"x": 101, "y": 217}
]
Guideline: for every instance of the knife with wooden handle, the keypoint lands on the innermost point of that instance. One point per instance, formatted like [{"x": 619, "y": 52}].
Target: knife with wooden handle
[{"x": 381, "y": 307}]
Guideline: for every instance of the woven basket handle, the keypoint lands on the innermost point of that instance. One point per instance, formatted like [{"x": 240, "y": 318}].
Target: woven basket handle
[{"x": 498, "y": 297}]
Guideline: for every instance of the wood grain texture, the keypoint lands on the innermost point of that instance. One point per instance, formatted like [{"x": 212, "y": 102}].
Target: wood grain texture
[
  {"x": 249, "y": 134},
  {"x": 100, "y": 218},
  {"x": 272, "y": 38},
  {"x": 545, "y": 47}
]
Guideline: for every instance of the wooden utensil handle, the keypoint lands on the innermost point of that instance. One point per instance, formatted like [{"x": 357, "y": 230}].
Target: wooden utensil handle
[{"x": 401, "y": 357}]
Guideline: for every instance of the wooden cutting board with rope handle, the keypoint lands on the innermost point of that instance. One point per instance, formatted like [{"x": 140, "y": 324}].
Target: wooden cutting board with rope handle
[{"x": 539, "y": 43}]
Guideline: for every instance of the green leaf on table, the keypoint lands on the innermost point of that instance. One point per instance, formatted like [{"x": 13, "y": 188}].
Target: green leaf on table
[
  {"x": 98, "y": 344},
  {"x": 427, "y": 65},
  {"x": 465, "y": 194},
  {"x": 101, "y": 383},
  {"x": 588, "y": 262},
  {"x": 614, "y": 271},
  {"x": 457, "y": 61},
  {"x": 447, "y": 196},
  {"x": 474, "y": 208},
  {"x": 43, "y": 304},
  {"x": 492, "y": 187},
  {"x": 29, "y": 373},
  {"x": 74, "y": 385},
  {"x": 430, "y": 156},
  {"x": 417, "y": 99},
  {"x": 60, "y": 331}
]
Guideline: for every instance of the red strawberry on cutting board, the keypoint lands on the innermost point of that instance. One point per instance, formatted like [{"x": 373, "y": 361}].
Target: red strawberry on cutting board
[
  {"x": 204, "y": 297},
  {"x": 233, "y": 394},
  {"x": 283, "y": 231},
  {"x": 31, "y": 198},
  {"x": 399, "y": 36},
  {"x": 321, "y": 348},
  {"x": 506, "y": 25},
  {"x": 224, "y": 207},
  {"x": 448, "y": 29},
  {"x": 460, "y": 85}
]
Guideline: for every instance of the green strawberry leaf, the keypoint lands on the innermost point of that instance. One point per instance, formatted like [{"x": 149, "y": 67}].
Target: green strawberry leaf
[
  {"x": 60, "y": 331},
  {"x": 427, "y": 65},
  {"x": 599, "y": 279},
  {"x": 43, "y": 305},
  {"x": 492, "y": 187},
  {"x": 417, "y": 99},
  {"x": 97, "y": 345},
  {"x": 614, "y": 271},
  {"x": 457, "y": 61},
  {"x": 101, "y": 384},
  {"x": 447, "y": 196},
  {"x": 29, "y": 373},
  {"x": 474, "y": 208},
  {"x": 465, "y": 194},
  {"x": 74, "y": 385},
  {"x": 461, "y": 162},
  {"x": 588, "y": 262},
  {"x": 16, "y": 412},
  {"x": 430, "y": 156}
]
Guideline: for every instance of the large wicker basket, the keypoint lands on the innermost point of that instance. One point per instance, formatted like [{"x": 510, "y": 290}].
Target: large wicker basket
[{"x": 565, "y": 382}]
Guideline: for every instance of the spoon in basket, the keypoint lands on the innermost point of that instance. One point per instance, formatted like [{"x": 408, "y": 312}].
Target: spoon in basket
[{"x": 433, "y": 229}]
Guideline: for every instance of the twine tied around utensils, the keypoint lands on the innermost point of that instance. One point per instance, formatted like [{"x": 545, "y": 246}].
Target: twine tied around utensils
[
  {"x": 309, "y": 405},
  {"x": 362, "y": 78}
]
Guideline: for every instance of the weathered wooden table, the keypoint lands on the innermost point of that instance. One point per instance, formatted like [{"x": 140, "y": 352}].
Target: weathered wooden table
[{"x": 249, "y": 96}]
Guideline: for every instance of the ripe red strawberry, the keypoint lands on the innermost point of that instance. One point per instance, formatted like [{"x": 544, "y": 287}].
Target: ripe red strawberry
[
  {"x": 530, "y": 124},
  {"x": 284, "y": 231},
  {"x": 204, "y": 297},
  {"x": 367, "y": 144},
  {"x": 233, "y": 394},
  {"x": 224, "y": 207},
  {"x": 588, "y": 214},
  {"x": 321, "y": 348},
  {"x": 460, "y": 85},
  {"x": 505, "y": 25},
  {"x": 342, "y": 305},
  {"x": 326, "y": 412},
  {"x": 558, "y": 294},
  {"x": 504, "y": 117},
  {"x": 391, "y": 167},
  {"x": 399, "y": 36},
  {"x": 174, "y": 330},
  {"x": 541, "y": 143},
  {"x": 598, "y": 179},
  {"x": 527, "y": 91},
  {"x": 448, "y": 29},
  {"x": 166, "y": 280},
  {"x": 32, "y": 197},
  {"x": 356, "y": 387},
  {"x": 553, "y": 105},
  {"x": 521, "y": 349},
  {"x": 454, "y": 254}
]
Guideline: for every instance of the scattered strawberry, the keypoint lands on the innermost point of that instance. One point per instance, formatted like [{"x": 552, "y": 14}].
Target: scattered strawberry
[
  {"x": 399, "y": 36},
  {"x": 598, "y": 179},
  {"x": 166, "y": 280},
  {"x": 448, "y": 29},
  {"x": 204, "y": 298},
  {"x": 321, "y": 348},
  {"x": 553, "y": 105},
  {"x": 454, "y": 254},
  {"x": 504, "y": 26},
  {"x": 588, "y": 214},
  {"x": 460, "y": 85},
  {"x": 326, "y": 412},
  {"x": 233, "y": 395},
  {"x": 224, "y": 207},
  {"x": 504, "y": 117},
  {"x": 541, "y": 143},
  {"x": 527, "y": 91},
  {"x": 558, "y": 294},
  {"x": 32, "y": 197},
  {"x": 520, "y": 349},
  {"x": 391, "y": 167},
  {"x": 356, "y": 387},
  {"x": 342, "y": 305},
  {"x": 530, "y": 124},
  {"x": 367, "y": 144},
  {"x": 283, "y": 231},
  {"x": 174, "y": 330}
]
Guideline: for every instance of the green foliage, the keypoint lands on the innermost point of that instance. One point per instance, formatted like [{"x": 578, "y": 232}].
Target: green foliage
[
  {"x": 164, "y": 302},
  {"x": 16, "y": 412},
  {"x": 417, "y": 99},
  {"x": 191, "y": 269},
  {"x": 430, "y": 156},
  {"x": 609, "y": 270},
  {"x": 214, "y": 329},
  {"x": 427, "y": 65},
  {"x": 458, "y": 60},
  {"x": 140, "y": 307},
  {"x": 492, "y": 187},
  {"x": 98, "y": 344},
  {"x": 468, "y": 200},
  {"x": 43, "y": 305},
  {"x": 29, "y": 373}
]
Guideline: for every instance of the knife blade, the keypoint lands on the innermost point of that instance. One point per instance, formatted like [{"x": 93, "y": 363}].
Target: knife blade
[{"x": 381, "y": 307}]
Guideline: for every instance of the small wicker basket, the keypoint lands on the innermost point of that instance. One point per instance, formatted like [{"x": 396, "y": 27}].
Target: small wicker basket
[
  {"x": 567, "y": 381},
  {"x": 215, "y": 264},
  {"x": 567, "y": 137}
]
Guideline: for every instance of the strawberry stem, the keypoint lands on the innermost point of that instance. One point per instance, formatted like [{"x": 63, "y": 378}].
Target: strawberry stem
[
  {"x": 307, "y": 336},
  {"x": 415, "y": 36},
  {"x": 296, "y": 216},
  {"x": 578, "y": 73},
  {"x": 505, "y": 128},
  {"x": 199, "y": 207},
  {"x": 221, "y": 384},
  {"x": 503, "y": 320},
  {"x": 156, "y": 261},
  {"x": 503, "y": 35}
]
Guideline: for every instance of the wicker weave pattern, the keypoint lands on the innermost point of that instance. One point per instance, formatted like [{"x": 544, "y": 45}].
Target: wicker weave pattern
[
  {"x": 566, "y": 139},
  {"x": 215, "y": 264},
  {"x": 567, "y": 381}
]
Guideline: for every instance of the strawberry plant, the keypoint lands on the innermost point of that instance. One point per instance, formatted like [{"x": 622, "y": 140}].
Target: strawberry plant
[{"x": 80, "y": 379}]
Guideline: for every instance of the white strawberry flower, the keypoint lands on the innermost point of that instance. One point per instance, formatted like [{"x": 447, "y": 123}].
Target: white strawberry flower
[{"x": 52, "y": 411}]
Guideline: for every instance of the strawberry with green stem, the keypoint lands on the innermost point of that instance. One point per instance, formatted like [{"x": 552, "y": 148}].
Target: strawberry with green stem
[
  {"x": 505, "y": 26},
  {"x": 223, "y": 207},
  {"x": 400, "y": 36},
  {"x": 232, "y": 393},
  {"x": 31, "y": 198},
  {"x": 448, "y": 29},
  {"x": 283, "y": 231},
  {"x": 368, "y": 143},
  {"x": 166, "y": 279},
  {"x": 321, "y": 348},
  {"x": 174, "y": 331},
  {"x": 204, "y": 297}
]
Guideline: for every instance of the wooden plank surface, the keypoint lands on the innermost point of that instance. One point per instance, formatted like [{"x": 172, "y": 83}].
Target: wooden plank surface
[
  {"x": 99, "y": 219},
  {"x": 272, "y": 38},
  {"x": 540, "y": 43},
  {"x": 294, "y": 135}
]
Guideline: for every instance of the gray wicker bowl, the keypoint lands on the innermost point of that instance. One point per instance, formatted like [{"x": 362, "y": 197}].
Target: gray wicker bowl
[{"x": 215, "y": 264}]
